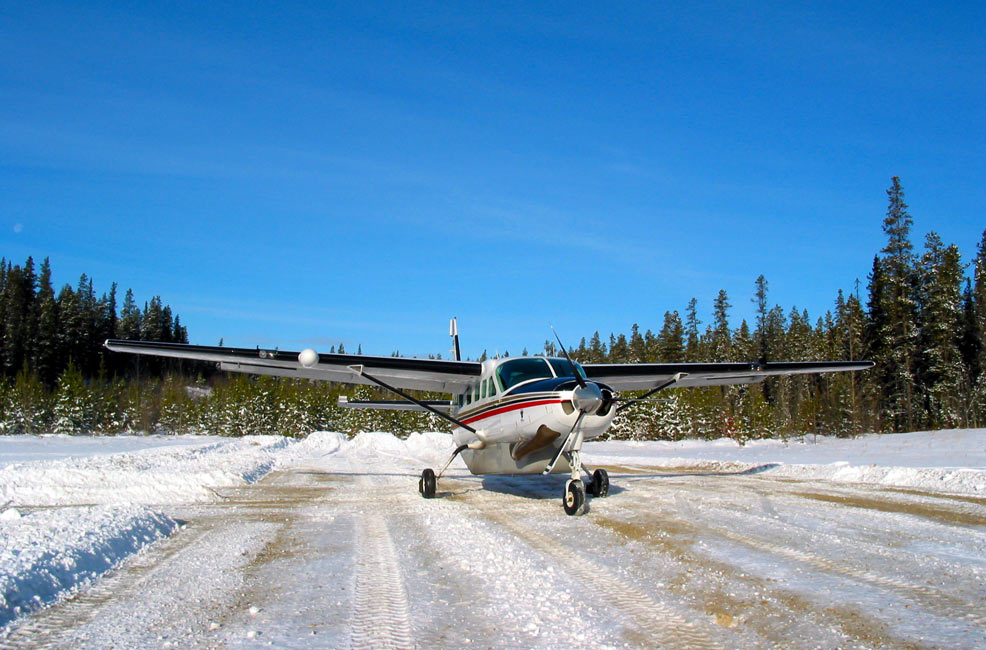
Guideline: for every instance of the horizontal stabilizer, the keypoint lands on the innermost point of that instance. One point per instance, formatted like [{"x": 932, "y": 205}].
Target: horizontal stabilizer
[{"x": 392, "y": 404}]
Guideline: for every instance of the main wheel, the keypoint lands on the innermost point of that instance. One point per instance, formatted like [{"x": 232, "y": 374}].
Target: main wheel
[
  {"x": 574, "y": 498},
  {"x": 426, "y": 486},
  {"x": 600, "y": 483}
]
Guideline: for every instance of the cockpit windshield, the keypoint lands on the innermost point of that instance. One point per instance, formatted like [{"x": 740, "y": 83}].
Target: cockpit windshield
[
  {"x": 563, "y": 369},
  {"x": 517, "y": 371}
]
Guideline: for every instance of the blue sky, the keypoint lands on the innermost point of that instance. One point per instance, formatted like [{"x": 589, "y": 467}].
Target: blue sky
[{"x": 283, "y": 174}]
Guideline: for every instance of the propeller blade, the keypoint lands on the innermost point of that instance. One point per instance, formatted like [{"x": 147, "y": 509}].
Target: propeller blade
[{"x": 578, "y": 376}]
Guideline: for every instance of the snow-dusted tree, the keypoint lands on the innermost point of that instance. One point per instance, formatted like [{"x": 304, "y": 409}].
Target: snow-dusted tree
[
  {"x": 179, "y": 412},
  {"x": 897, "y": 308},
  {"x": 692, "y": 343},
  {"x": 75, "y": 408},
  {"x": 940, "y": 299},
  {"x": 978, "y": 328},
  {"x": 721, "y": 335},
  {"x": 671, "y": 339},
  {"x": 26, "y": 405}
]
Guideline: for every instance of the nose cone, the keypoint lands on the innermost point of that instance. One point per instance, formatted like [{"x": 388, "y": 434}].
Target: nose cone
[{"x": 588, "y": 399}]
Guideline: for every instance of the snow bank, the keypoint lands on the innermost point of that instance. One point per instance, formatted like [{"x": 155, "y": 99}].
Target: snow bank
[
  {"x": 23, "y": 448},
  {"x": 951, "y": 461},
  {"x": 159, "y": 475},
  {"x": 48, "y": 554},
  {"x": 426, "y": 449}
]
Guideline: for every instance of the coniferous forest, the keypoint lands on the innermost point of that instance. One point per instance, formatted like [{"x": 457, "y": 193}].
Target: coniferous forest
[{"x": 921, "y": 317}]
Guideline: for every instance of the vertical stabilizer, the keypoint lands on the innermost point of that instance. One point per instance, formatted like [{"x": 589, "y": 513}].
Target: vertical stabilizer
[{"x": 453, "y": 331}]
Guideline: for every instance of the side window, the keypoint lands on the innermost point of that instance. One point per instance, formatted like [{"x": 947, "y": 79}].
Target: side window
[
  {"x": 469, "y": 395},
  {"x": 483, "y": 390},
  {"x": 475, "y": 393},
  {"x": 492, "y": 388}
]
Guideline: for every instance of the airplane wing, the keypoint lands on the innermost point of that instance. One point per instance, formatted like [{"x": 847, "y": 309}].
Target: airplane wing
[
  {"x": 415, "y": 374},
  {"x": 645, "y": 376}
]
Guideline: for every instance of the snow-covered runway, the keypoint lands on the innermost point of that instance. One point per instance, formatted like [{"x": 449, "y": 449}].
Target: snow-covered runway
[{"x": 335, "y": 548}]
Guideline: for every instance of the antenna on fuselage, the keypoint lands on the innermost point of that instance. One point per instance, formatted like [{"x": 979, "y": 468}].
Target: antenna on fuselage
[{"x": 453, "y": 331}]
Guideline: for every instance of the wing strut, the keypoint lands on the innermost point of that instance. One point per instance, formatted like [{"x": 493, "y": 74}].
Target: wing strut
[
  {"x": 668, "y": 384},
  {"x": 359, "y": 371}
]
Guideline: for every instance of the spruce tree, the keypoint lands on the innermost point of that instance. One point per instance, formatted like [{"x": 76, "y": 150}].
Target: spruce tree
[
  {"x": 48, "y": 358},
  {"x": 637, "y": 352},
  {"x": 760, "y": 300},
  {"x": 671, "y": 340},
  {"x": 721, "y": 336},
  {"x": 940, "y": 369},
  {"x": 898, "y": 303},
  {"x": 18, "y": 316},
  {"x": 979, "y": 326},
  {"x": 129, "y": 325},
  {"x": 691, "y": 330}
]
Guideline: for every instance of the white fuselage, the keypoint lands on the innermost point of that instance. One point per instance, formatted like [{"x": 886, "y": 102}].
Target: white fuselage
[{"x": 523, "y": 410}]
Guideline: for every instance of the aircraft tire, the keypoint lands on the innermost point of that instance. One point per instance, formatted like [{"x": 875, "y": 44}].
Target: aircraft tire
[
  {"x": 574, "y": 498},
  {"x": 600, "y": 483},
  {"x": 427, "y": 484}
]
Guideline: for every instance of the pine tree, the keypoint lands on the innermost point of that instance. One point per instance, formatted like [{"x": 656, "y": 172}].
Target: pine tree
[
  {"x": 129, "y": 325},
  {"x": 671, "y": 340},
  {"x": 597, "y": 351},
  {"x": 48, "y": 358},
  {"x": 897, "y": 302},
  {"x": 691, "y": 330},
  {"x": 18, "y": 316},
  {"x": 941, "y": 371},
  {"x": 721, "y": 336},
  {"x": 75, "y": 406},
  {"x": 979, "y": 331},
  {"x": 760, "y": 300},
  {"x": 636, "y": 352}
]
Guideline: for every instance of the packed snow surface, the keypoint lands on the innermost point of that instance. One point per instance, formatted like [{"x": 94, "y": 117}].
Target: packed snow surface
[{"x": 491, "y": 560}]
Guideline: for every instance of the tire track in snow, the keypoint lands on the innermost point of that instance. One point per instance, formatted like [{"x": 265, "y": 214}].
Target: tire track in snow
[
  {"x": 942, "y": 603},
  {"x": 946, "y": 604},
  {"x": 380, "y": 611},
  {"x": 664, "y": 626}
]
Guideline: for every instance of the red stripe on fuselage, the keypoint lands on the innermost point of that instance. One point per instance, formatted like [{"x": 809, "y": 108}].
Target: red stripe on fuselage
[{"x": 512, "y": 407}]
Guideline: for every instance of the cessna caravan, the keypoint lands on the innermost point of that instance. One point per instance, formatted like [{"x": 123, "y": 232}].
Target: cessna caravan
[{"x": 519, "y": 415}]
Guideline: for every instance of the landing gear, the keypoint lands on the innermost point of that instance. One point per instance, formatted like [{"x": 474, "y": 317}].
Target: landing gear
[
  {"x": 600, "y": 483},
  {"x": 427, "y": 484},
  {"x": 574, "y": 498}
]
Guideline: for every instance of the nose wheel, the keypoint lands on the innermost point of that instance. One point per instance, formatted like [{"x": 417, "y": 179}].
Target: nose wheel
[{"x": 574, "y": 498}]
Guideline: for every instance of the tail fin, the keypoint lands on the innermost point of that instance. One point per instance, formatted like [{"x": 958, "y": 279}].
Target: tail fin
[{"x": 453, "y": 331}]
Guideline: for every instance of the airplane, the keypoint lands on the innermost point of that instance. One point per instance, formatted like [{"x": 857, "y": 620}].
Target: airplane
[{"x": 514, "y": 415}]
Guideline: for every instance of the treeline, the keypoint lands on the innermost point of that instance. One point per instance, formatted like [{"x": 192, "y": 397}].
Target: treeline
[
  {"x": 230, "y": 406},
  {"x": 923, "y": 324},
  {"x": 922, "y": 320},
  {"x": 43, "y": 333}
]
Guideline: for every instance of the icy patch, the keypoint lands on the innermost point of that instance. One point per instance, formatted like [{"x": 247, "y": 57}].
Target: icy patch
[{"x": 51, "y": 553}]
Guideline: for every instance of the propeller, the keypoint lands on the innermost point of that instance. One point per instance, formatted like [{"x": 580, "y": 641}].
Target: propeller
[{"x": 587, "y": 398}]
